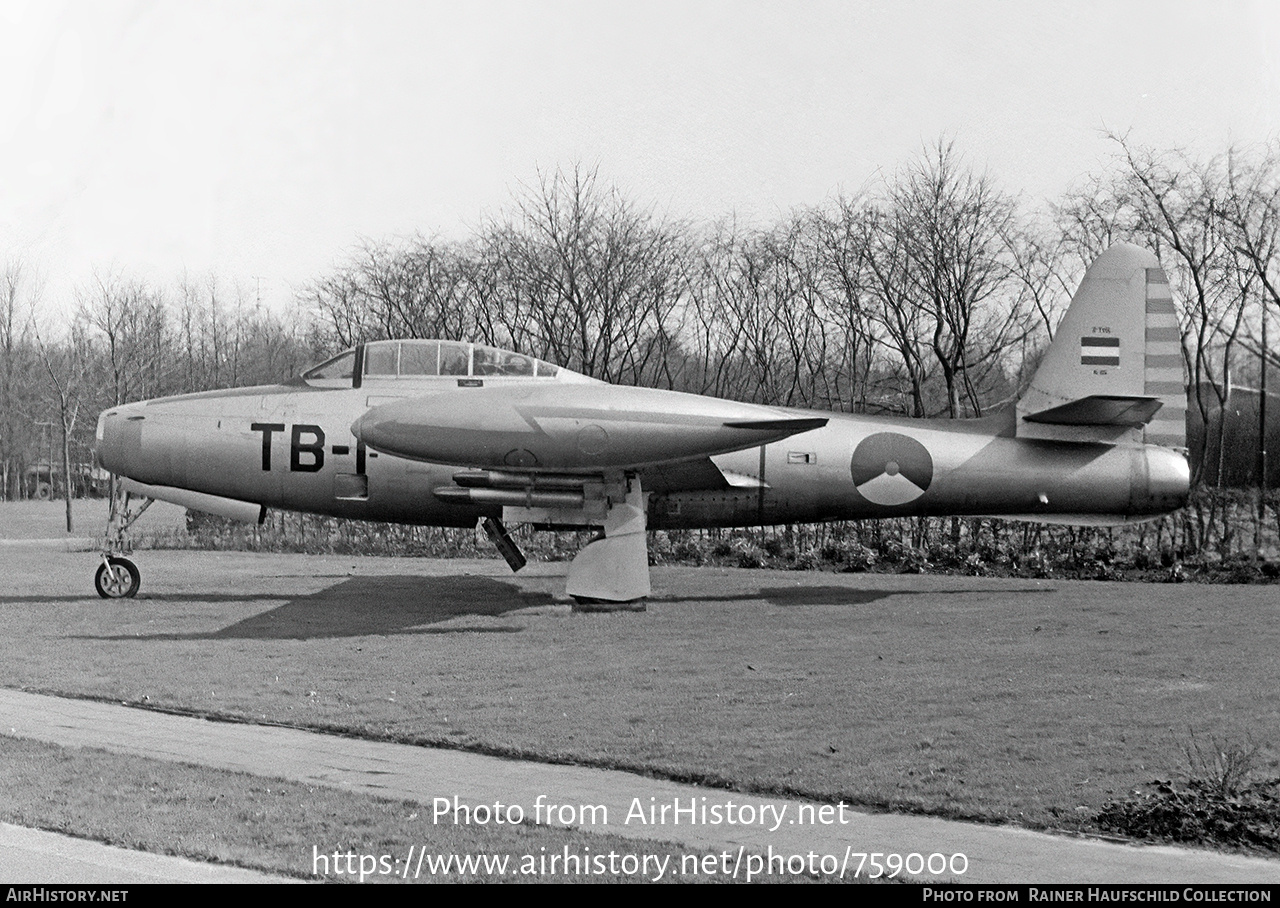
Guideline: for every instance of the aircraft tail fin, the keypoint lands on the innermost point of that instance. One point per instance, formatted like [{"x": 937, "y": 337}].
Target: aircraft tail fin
[{"x": 1114, "y": 371}]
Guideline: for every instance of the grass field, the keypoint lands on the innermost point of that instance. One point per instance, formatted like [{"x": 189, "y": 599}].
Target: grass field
[
  {"x": 48, "y": 519},
  {"x": 267, "y": 824},
  {"x": 1003, "y": 700}
]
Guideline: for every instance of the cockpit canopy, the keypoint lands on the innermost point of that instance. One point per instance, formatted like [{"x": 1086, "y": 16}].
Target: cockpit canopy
[{"x": 426, "y": 359}]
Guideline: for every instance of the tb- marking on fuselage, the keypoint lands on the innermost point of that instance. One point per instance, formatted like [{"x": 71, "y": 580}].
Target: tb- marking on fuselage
[
  {"x": 445, "y": 433},
  {"x": 313, "y": 450}
]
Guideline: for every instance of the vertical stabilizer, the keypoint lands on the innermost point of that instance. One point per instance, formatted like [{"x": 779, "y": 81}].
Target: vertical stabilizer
[{"x": 1114, "y": 370}]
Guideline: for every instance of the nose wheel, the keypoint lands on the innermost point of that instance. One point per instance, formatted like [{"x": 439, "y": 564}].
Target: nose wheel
[{"x": 117, "y": 578}]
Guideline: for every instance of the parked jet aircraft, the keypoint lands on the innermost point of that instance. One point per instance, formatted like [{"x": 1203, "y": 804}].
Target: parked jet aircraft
[{"x": 447, "y": 433}]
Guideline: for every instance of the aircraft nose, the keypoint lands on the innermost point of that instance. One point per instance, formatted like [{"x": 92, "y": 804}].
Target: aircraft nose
[
  {"x": 118, "y": 438},
  {"x": 98, "y": 436}
]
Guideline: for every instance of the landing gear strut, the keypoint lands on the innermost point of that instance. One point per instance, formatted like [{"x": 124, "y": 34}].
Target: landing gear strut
[
  {"x": 611, "y": 573},
  {"x": 117, "y": 576}
]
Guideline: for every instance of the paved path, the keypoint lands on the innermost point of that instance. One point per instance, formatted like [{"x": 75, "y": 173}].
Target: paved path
[
  {"x": 35, "y": 856},
  {"x": 995, "y": 854}
]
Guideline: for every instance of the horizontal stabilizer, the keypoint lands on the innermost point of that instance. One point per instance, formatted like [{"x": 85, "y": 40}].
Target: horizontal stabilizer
[{"x": 1100, "y": 410}]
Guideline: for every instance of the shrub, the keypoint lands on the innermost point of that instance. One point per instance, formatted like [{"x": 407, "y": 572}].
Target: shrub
[
  {"x": 1104, "y": 571},
  {"x": 806, "y": 561},
  {"x": 1221, "y": 767},
  {"x": 1195, "y": 815},
  {"x": 858, "y": 559},
  {"x": 1039, "y": 565},
  {"x": 944, "y": 556},
  {"x": 1217, "y": 805},
  {"x": 913, "y": 561},
  {"x": 688, "y": 552}
]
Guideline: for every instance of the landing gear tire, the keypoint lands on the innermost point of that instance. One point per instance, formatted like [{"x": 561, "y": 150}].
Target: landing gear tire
[{"x": 118, "y": 578}]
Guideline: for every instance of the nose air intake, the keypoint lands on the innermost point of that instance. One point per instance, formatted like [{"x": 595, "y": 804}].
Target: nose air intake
[{"x": 118, "y": 445}]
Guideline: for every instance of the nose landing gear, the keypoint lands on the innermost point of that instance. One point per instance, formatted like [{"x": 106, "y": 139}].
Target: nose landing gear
[{"x": 117, "y": 576}]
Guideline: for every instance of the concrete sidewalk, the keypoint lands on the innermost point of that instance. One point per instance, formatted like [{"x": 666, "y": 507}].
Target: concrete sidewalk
[
  {"x": 994, "y": 854},
  {"x": 35, "y": 856}
]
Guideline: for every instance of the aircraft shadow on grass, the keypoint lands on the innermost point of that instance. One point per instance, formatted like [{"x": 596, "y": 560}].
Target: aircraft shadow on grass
[
  {"x": 800, "y": 596},
  {"x": 408, "y": 605},
  {"x": 363, "y": 606}
]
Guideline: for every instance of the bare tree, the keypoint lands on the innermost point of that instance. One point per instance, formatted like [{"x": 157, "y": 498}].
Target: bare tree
[
  {"x": 65, "y": 366},
  {"x": 414, "y": 288},
  {"x": 844, "y": 274},
  {"x": 956, "y": 227},
  {"x": 899, "y": 312},
  {"x": 1177, "y": 200},
  {"x": 1251, "y": 209},
  {"x": 761, "y": 298},
  {"x": 1092, "y": 218},
  {"x": 760, "y": 325},
  {"x": 131, "y": 321},
  {"x": 15, "y": 383},
  {"x": 587, "y": 279},
  {"x": 339, "y": 303}
]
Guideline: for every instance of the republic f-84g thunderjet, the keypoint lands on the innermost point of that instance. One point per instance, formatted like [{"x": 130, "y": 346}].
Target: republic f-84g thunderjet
[{"x": 446, "y": 433}]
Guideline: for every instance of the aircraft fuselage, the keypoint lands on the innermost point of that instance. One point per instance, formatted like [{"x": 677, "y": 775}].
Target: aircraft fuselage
[{"x": 292, "y": 447}]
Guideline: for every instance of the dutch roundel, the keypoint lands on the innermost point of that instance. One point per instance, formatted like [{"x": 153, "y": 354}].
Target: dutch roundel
[{"x": 891, "y": 469}]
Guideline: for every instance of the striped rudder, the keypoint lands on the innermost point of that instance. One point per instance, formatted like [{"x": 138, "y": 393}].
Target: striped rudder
[{"x": 1164, "y": 370}]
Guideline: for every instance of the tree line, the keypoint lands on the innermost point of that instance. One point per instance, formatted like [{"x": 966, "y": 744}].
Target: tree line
[
  {"x": 930, "y": 292},
  {"x": 125, "y": 341}
]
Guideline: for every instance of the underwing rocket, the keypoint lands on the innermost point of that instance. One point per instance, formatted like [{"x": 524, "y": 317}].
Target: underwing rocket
[{"x": 447, "y": 433}]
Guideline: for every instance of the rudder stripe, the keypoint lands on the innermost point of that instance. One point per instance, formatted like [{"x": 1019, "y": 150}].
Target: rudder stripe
[{"x": 1164, "y": 373}]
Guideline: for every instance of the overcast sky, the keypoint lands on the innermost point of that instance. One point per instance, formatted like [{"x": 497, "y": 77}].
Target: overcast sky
[{"x": 260, "y": 140}]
